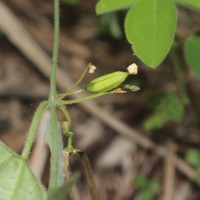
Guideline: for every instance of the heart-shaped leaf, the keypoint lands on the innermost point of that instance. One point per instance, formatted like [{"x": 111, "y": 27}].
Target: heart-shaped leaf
[{"x": 17, "y": 182}]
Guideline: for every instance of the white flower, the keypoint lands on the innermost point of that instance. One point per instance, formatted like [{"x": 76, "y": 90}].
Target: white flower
[
  {"x": 132, "y": 69},
  {"x": 92, "y": 69}
]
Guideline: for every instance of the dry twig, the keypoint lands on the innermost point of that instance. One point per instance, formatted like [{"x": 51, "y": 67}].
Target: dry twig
[{"x": 169, "y": 173}]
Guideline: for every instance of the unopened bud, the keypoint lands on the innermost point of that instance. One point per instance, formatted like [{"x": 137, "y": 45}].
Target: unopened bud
[
  {"x": 132, "y": 69},
  {"x": 65, "y": 127},
  {"x": 107, "y": 82},
  {"x": 92, "y": 69}
]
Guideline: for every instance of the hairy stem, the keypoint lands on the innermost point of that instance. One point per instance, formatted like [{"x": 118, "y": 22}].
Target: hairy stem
[
  {"x": 52, "y": 101},
  {"x": 32, "y": 131},
  {"x": 66, "y": 113}
]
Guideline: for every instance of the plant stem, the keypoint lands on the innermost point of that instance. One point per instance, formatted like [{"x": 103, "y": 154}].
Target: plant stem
[
  {"x": 52, "y": 100},
  {"x": 66, "y": 113},
  {"x": 32, "y": 130},
  {"x": 61, "y": 96},
  {"x": 86, "y": 98}
]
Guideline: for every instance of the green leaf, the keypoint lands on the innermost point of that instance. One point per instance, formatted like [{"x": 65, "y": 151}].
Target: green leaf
[
  {"x": 193, "y": 157},
  {"x": 132, "y": 88},
  {"x": 192, "y": 53},
  {"x": 169, "y": 107},
  {"x": 198, "y": 175},
  {"x": 109, "y": 25},
  {"x": 191, "y": 4},
  {"x": 145, "y": 195},
  {"x": 154, "y": 187},
  {"x": 104, "y": 6},
  {"x": 150, "y": 26},
  {"x": 48, "y": 139},
  {"x": 141, "y": 182},
  {"x": 5, "y": 153},
  {"x": 62, "y": 192},
  {"x": 17, "y": 182}
]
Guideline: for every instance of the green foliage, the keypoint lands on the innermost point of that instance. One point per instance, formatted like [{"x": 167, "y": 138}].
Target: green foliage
[
  {"x": 166, "y": 107},
  {"x": 141, "y": 182},
  {"x": 17, "y": 180},
  {"x": 71, "y": 2},
  {"x": 132, "y": 88},
  {"x": 148, "y": 188},
  {"x": 198, "y": 175},
  {"x": 192, "y": 4},
  {"x": 192, "y": 53},
  {"x": 109, "y": 25},
  {"x": 104, "y": 6},
  {"x": 193, "y": 158},
  {"x": 154, "y": 187},
  {"x": 62, "y": 192},
  {"x": 49, "y": 140},
  {"x": 150, "y": 27}
]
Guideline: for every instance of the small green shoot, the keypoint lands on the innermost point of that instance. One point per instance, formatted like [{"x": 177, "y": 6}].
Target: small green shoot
[
  {"x": 148, "y": 189},
  {"x": 166, "y": 107},
  {"x": 193, "y": 158}
]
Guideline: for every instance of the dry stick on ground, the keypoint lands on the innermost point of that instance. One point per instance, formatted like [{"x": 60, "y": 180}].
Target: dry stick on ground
[
  {"x": 169, "y": 173},
  {"x": 43, "y": 32},
  {"x": 19, "y": 36}
]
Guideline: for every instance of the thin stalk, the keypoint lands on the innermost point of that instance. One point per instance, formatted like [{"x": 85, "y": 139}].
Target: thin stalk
[
  {"x": 69, "y": 102},
  {"x": 61, "y": 96},
  {"x": 52, "y": 100},
  {"x": 32, "y": 130},
  {"x": 66, "y": 113}
]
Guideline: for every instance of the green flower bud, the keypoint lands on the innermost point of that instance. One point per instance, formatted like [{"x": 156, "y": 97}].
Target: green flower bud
[
  {"x": 65, "y": 127},
  {"x": 106, "y": 82},
  {"x": 133, "y": 88}
]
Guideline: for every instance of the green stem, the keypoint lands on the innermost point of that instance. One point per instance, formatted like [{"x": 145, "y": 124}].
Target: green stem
[
  {"x": 179, "y": 76},
  {"x": 66, "y": 113},
  {"x": 61, "y": 96},
  {"x": 70, "y": 136},
  {"x": 32, "y": 130},
  {"x": 52, "y": 100},
  {"x": 69, "y": 102}
]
